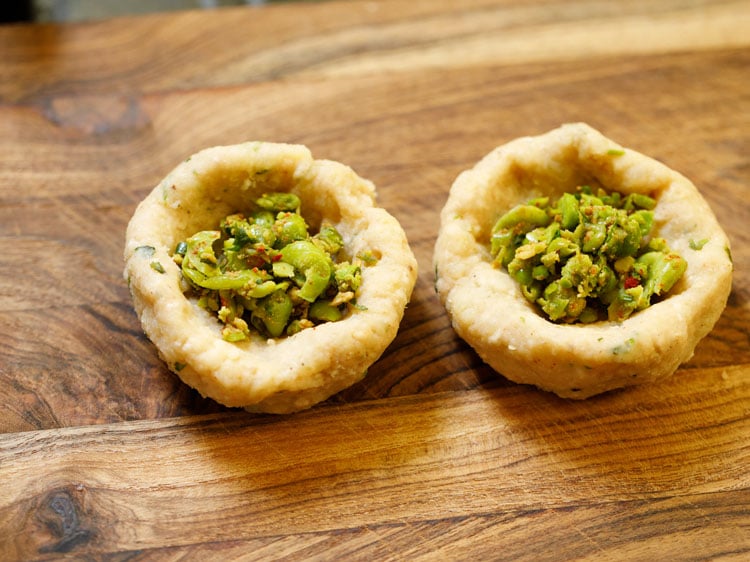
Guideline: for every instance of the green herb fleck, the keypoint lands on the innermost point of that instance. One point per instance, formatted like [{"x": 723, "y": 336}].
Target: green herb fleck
[
  {"x": 157, "y": 266},
  {"x": 179, "y": 366},
  {"x": 615, "y": 152},
  {"x": 145, "y": 251},
  {"x": 626, "y": 346},
  {"x": 698, "y": 244},
  {"x": 368, "y": 258}
]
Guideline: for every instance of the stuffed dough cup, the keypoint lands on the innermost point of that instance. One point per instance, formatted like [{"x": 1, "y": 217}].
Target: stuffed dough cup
[
  {"x": 509, "y": 332},
  {"x": 274, "y": 375}
]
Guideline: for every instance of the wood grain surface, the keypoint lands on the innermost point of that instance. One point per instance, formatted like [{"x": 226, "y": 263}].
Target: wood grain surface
[{"x": 104, "y": 454}]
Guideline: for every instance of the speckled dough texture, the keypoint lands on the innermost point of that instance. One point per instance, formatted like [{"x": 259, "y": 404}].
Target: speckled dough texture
[
  {"x": 266, "y": 375},
  {"x": 489, "y": 312}
]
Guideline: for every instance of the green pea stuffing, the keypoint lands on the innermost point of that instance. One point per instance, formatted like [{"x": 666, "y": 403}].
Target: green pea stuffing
[
  {"x": 266, "y": 273},
  {"x": 587, "y": 256}
]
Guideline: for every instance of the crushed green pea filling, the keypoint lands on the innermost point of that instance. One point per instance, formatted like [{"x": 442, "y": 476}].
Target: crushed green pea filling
[
  {"x": 587, "y": 256},
  {"x": 265, "y": 272}
]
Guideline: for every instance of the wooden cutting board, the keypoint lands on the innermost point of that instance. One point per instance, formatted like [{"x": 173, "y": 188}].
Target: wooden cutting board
[{"x": 105, "y": 454}]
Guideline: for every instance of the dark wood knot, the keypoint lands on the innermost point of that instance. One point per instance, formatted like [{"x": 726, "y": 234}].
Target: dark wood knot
[{"x": 62, "y": 513}]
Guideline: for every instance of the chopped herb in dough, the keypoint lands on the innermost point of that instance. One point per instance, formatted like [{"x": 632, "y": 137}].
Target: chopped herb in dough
[
  {"x": 145, "y": 251},
  {"x": 697, "y": 244},
  {"x": 157, "y": 266},
  {"x": 587, "y": 255},
  {"x": 264, "y": 272}
]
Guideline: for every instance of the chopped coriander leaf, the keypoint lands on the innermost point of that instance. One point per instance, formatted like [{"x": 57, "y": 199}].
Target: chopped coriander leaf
[
  {"x": 157, "y": 266},
  {"x": 697, "y": 244}
]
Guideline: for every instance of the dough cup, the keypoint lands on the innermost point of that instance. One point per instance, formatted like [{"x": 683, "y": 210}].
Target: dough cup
[
  {"x": 266, "y": 375},
  {"x": 489, "y": 312}
]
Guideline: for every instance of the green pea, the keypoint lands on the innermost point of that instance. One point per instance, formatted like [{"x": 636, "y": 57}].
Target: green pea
[
  {"x": 623, "y": 238},
  {"x": 200, "y": 261},
  {"x": 623, "y": 305},
  {"x": 556, "y": 300},
  {"x": 613, "y": 199},
  {"x": 594, "y": 237},
  {"x": 231, "y": 224},
  {"x": 264, "y": 288},
  {"x": 588, "y": 315},
  {"x": 645, "y": 220},
  {"x": 261, "y": 234},
  {"x": 663, "y": 271},
  {"x": 329, "y": 239},
  {"x": 263, "y": 217},
  {"x": 577, "y": 272},
  {"x": 568, "y": 206},
  {"x": 502, "y": 247},
  {"x": 563, "y": 247},
  {"x": 540, "y": 272},
  {"x": 273, "y": 312},
  {"x": 288, "y": 228},
  {"x": 324, "y": 311},
  {"x": 233, "y": 334},
  {"x": 348, "y": 277},
  {"x": 294, "y": 327},
  {"x": 282, "y": 269},
  {"x": 521, "y": 271},
  {"x": 606, "y": 279},
  {"x": 540, "y": 202},
  {"x": 639, "y": 200},
  {"x": 278, "y": 201},
  {"x": 532, "y": 292},
  {"x": 314, "y": 265},
  {"x": 587, "y": 199},
  {"x": 229, "y": 280},
  {"x": 525, "y": 217},
  {"x": 657, "y": 244}
]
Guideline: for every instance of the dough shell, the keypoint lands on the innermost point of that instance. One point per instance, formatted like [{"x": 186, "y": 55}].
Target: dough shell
[
  {"x": 489, "y": 312},
  {"x": 266, "y": 375}
]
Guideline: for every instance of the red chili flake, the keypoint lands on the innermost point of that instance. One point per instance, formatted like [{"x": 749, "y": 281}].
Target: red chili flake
[
  {"x": 276, "y": 257},
  {"x": 631, "y": 282},
  {"x": 260, "y": 248}
]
